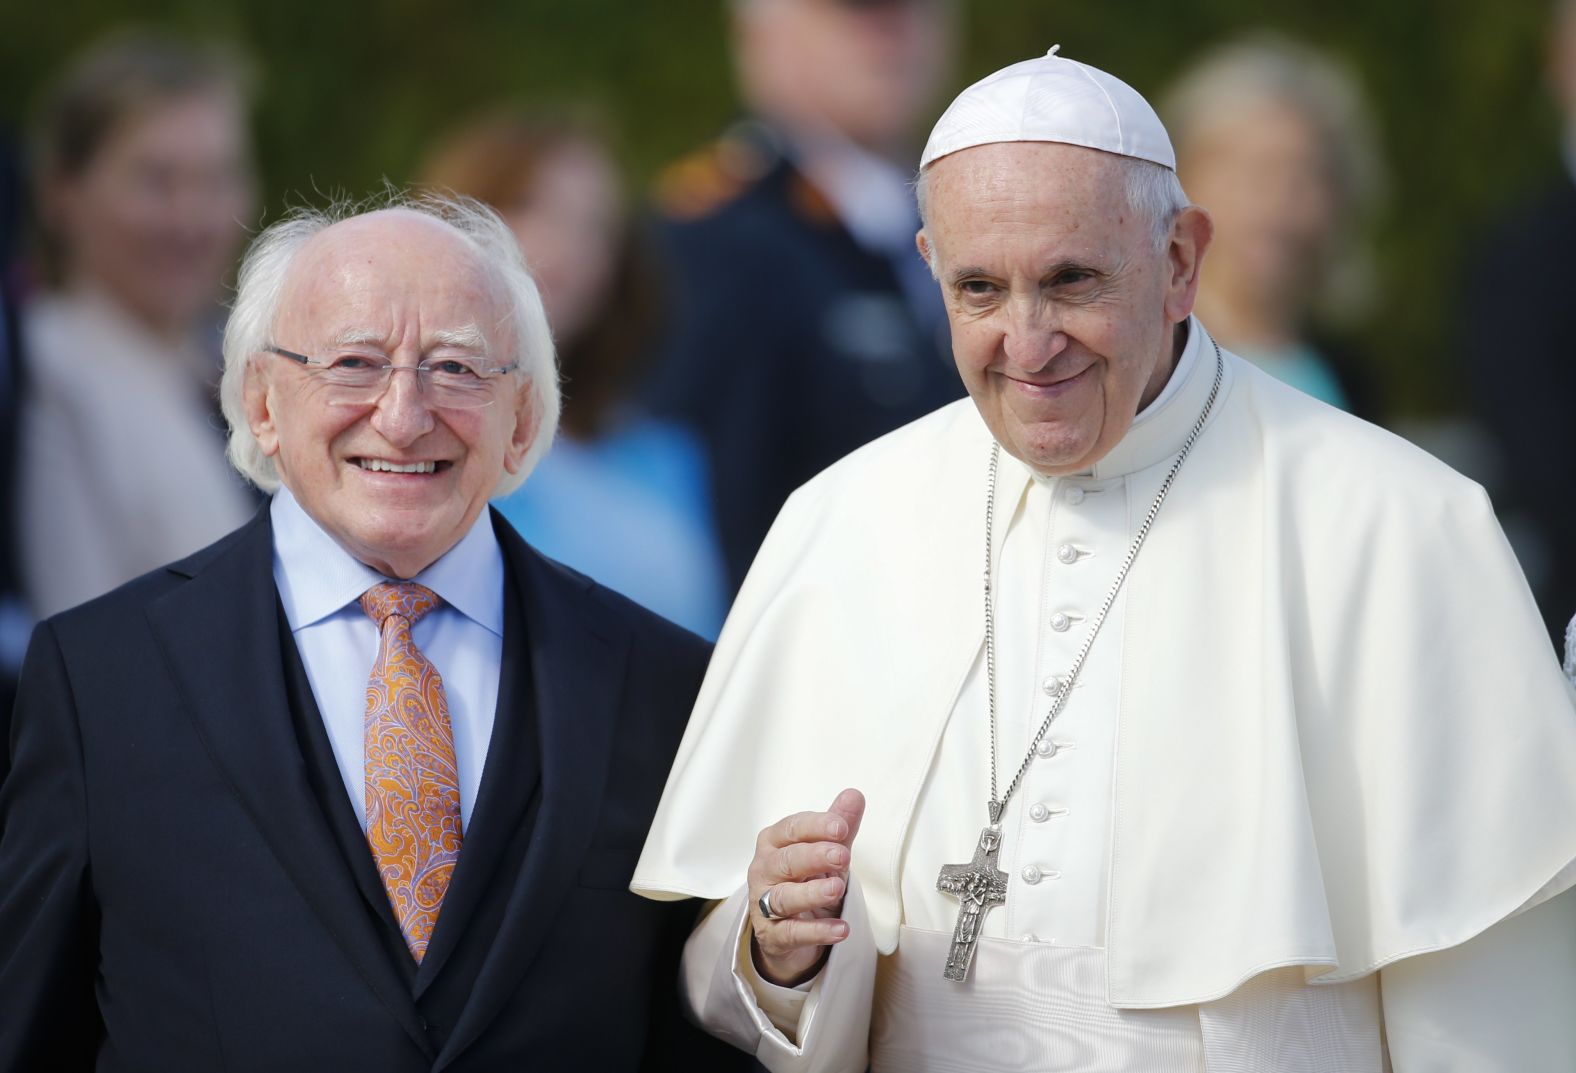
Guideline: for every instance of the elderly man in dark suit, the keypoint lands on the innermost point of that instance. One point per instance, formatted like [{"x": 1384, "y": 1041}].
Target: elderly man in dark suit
[{"x": 361, "y": 786}]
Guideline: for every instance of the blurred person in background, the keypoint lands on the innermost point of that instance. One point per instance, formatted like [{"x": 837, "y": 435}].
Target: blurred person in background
[
  {"x": 806, "y": 324},
  {"x": 622, "y": 496},
  {"x": 1518, "y": 340},
  {"x": 1275, "y": 140},
  {"x": 143, "y": 181},
  {"x": 15, "y": 620}
]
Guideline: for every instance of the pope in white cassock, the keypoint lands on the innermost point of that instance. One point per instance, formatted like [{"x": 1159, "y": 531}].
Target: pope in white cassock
[{"x": 1195, "y": 725}]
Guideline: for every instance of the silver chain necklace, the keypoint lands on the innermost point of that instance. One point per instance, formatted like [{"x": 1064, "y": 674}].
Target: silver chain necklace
[{"x": 980, "y": 885}]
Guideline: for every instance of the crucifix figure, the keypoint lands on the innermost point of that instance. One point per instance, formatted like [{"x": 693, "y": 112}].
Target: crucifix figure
[{"x": 980, "y": 887}]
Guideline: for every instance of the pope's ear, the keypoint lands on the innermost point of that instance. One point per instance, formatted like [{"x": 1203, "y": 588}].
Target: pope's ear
[
  {"x": 1191, "y": 233},
  {"x": 257, "y": 395},
  {"x": 927, "y": 252}
]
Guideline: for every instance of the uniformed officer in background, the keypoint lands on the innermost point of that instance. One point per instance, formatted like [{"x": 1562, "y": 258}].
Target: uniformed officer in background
[{"x": 804, "y": 323}]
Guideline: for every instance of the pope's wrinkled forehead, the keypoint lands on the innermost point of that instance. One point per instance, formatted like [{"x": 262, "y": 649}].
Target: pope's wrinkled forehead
[
  {"x": 988, "y": 196},
  {"x": 394, "y": 271}
]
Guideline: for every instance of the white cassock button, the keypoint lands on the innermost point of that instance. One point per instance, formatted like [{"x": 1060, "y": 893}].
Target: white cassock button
[
  {"x": 1054, "y": 685},
  {"x": 1067, "y": 554},
  {"x": 1075, "y": 495},
  {"x": 1060, "y": 622},
  {"x": 1027, "y": 937},
  {"x": 1031, "y": 875},
  {"x": 1039, "y": 813},
  {"x": 1046, "y": 748}
]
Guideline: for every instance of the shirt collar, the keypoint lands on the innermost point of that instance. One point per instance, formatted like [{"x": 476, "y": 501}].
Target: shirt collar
[
  {"x": 1160, "y": 428},
  {"x": 316, "y": 577}
]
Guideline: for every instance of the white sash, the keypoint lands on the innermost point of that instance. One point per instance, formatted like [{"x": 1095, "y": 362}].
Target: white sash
[{"x": 1038, "y": 1008}]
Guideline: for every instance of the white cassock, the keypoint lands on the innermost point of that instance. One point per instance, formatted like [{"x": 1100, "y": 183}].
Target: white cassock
[{"x": 1307, "y": 807}]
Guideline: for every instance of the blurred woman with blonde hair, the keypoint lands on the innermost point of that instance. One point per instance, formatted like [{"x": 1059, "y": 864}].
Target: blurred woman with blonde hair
[{"x": 1274, "y": 139}]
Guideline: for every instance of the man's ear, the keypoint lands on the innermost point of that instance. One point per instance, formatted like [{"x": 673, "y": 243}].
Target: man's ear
[
  {"x": 257, "y": 395},
  {"x": 525, "y": 428},
  {"x": 1191, "y": 233},
  {"x": 926, "y": 251}
]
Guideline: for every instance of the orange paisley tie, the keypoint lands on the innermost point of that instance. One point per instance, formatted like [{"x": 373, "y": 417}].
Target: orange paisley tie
[{"x": 412, "y": 784}]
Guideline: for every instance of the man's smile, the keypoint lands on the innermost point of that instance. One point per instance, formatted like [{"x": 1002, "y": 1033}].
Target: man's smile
[
  {"x": 1047, "y": 387},
  {"x": 384, "y": 465}
]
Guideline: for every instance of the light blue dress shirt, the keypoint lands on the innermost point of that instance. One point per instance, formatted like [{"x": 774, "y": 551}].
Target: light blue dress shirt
[{"x": 320, "y": 584}]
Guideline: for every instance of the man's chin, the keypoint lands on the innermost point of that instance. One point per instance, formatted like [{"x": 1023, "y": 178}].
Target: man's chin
[
  {"x": 397, "y": 542},
  {"x": 1053, "y": 454}
]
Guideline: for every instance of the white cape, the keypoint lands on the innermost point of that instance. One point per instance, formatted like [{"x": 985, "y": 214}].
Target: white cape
[{"x": 1343, "y": 737}]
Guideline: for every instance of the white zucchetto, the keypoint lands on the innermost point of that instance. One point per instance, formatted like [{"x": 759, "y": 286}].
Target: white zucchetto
[{"x": 1052, "y": 99}]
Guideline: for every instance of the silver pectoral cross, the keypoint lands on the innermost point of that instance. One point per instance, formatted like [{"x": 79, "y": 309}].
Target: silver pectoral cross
[{"x": 980, "y": 887}]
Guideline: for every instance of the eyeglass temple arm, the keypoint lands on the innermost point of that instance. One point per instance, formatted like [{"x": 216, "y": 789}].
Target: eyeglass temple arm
[{"x": 292, "y": 355}]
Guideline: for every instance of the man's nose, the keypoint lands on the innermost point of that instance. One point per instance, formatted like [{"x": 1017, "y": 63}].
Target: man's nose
[
  {"x": 402, "y": 415},
  {"x": 1033, "y": 334}
]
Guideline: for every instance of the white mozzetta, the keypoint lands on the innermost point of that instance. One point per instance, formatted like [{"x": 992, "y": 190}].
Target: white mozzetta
[{"x": 1337, "y": 740}]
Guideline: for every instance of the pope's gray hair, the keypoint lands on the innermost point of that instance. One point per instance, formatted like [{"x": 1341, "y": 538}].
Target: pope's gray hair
[
  {"x": 261, "y": 285},
  {"x": 1153, "y": 191}
]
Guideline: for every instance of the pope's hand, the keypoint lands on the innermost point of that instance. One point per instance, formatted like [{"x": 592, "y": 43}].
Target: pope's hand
[{"x": 802, "y": 861}]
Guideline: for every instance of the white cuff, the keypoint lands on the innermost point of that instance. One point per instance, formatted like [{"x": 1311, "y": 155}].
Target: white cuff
[{"x": 783, "y": 1006}]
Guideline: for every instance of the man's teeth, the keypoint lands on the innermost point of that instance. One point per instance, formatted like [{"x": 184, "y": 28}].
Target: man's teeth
[{"x": 380, "y": 466}]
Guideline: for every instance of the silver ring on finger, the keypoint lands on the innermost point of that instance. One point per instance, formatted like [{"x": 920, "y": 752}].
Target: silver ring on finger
[{"x": 764, "y": 904}]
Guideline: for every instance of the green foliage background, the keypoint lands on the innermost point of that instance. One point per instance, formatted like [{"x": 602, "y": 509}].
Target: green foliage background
[{"x": 350, "y": 93}]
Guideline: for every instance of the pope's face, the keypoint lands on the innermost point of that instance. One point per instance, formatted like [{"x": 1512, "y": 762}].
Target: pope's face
[
  {"x": 1063, "y": 311},
  {"x": 404, "y": 287}
]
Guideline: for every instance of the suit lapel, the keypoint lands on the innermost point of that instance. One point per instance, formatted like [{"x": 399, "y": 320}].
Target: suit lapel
[
  {"x": 220, "y": 637},
  {"x": 578, "y": 655}
]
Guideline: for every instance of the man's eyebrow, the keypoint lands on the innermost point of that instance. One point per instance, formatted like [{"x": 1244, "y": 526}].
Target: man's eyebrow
[
  {"x": 469, "y": 337},
  {"x": 966, "y": 272},
  {"x": 358, "y": 337}
]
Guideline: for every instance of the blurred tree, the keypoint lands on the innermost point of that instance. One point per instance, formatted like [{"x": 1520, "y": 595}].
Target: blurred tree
[{"x": 349, "y": 93}]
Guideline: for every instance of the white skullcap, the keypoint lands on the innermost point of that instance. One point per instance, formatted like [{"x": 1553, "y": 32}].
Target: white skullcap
[{"x": 1051, "y": 99}]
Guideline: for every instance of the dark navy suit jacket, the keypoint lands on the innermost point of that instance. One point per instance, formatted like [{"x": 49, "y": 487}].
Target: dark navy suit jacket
[{"x": 183, "y": 885}]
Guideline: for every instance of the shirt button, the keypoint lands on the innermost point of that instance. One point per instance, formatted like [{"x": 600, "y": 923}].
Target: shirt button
[
  {"x": 1046, "y": 748},
  {"x": 1039, "y": 813},
  {"x": 1060, "y": 622},
  {"x": 1067, "y": 554},
  {"x": 1075, "y": 495},
  {"x": 1031, "y": 875}
]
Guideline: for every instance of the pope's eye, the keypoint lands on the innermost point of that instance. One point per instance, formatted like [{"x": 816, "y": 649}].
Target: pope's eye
[
  {"x": 351, "y": 363},
  {"x": 1071, "y": 277},
  {"x": 977, "y": 287}
]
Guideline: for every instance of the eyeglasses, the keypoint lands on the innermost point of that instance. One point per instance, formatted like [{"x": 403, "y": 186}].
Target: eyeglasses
[{"x": 359, "y": 380}]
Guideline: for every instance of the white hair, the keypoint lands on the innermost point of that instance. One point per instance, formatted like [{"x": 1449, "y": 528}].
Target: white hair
[
  {"x": 1153, "y": 191},
  {"x": 260, "y": 288}
]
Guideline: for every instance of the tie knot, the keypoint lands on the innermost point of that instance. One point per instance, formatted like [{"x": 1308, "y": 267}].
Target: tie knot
[{"x": 404, "y": 598}]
